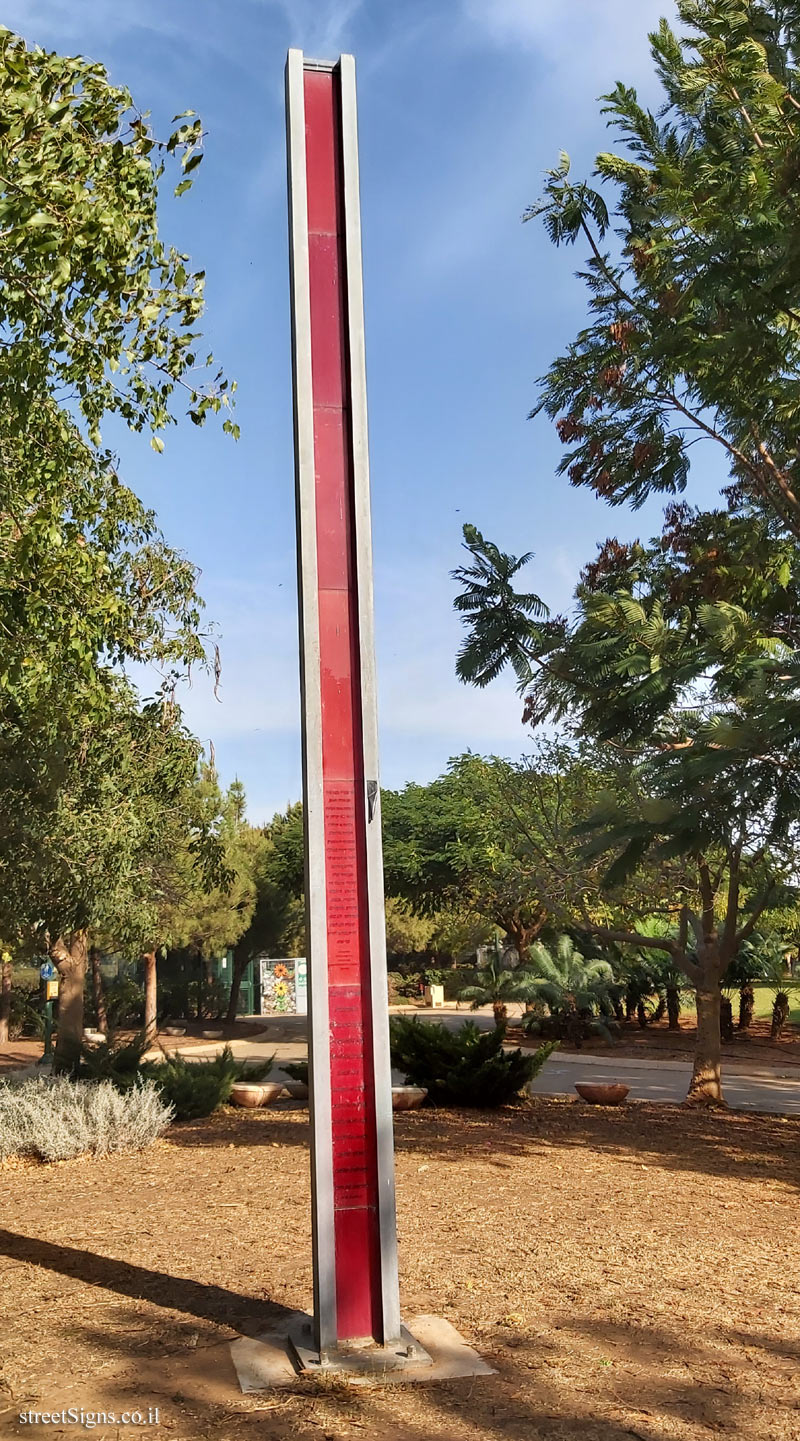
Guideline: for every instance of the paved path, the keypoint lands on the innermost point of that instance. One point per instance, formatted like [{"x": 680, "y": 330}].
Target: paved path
[
  {"x": 653, "y": 1080},
  {"x": 667, "y": 1081}
]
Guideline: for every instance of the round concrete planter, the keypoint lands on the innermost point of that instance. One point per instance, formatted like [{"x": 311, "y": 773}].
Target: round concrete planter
[
  {"x": 407, "y": 1098},
  {"x": 251, "y": 1093},
  {"x": 602, "y": 1093},
  {"x": 212, "y": 1035},
  {"x": 298, "y": 1090},
  {"x": 174, "y": 1031}
]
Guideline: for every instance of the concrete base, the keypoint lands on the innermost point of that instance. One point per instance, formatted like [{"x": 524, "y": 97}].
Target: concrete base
[{"x": 438, "y": 1353}]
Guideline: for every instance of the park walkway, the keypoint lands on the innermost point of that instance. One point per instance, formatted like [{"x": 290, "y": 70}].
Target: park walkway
[{"x": 652, "y": 1080}]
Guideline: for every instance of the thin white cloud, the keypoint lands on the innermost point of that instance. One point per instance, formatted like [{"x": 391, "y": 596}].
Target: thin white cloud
[{"x": 584, "y": 34}]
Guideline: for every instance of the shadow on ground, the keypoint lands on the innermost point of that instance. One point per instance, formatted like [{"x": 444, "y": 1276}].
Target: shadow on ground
[
  {"x": 712, "y": 1143},
  {"x": 159, "y": 1288}
]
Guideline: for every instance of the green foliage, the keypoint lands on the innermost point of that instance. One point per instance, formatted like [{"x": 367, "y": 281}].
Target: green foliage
[
  {"x": 561, "y": 976},
  {"x": 495, "y": 984},
  {"x": 114, "y": 1060},
  {"x": 26, "y": 1018},
  {"x": 466, "y": 1067},
  {"x": 297, "y": 1070},
  {"x": 196, "y": 1088},
  {"x": 579, "y": 993},
  {"x": 97, "y": 306},
  {"x": 693, "y": 321},
  {"x": 124, "y": 1002}
]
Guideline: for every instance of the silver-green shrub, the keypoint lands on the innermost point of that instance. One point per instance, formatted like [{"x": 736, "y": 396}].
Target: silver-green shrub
[{"x": 57, "y": 1119}]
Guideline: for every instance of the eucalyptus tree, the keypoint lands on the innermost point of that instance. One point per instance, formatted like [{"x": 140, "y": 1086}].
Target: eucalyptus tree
[
  {"x": 98, "y": 318},
  {"x": 88, "y": 827}
]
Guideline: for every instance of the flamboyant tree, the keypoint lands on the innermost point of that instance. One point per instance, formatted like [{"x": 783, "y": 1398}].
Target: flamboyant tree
[
  {"x": 680, "y": 660},
  {"x": 693, "y": 328}
]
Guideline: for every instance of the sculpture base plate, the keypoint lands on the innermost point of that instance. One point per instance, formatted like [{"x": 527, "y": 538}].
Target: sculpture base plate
[
  {"x": 359, "y": 1357},
  {"x": 430, "y": 1350}
]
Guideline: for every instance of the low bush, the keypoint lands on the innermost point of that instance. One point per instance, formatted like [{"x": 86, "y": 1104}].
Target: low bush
[
  {"x": 26, "y": 1017},
  {"x": 465, "y": 1067},
  {"x": 297, "y": 1071},
  {"x": 124, "y": 1002},
  {"x": 113, "y": 1060},
  {"x": 571, "y": 1026},
  {"x": 196, "y": 1088},
  {"x": 58, "y": 1119}
]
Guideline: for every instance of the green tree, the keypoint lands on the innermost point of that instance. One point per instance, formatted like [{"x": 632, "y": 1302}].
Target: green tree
[
  {"x": 213, "y": 912},
  {"x": 693, "y": 327},
  {"x": 272, "y": 911},
  {"x": 454, "y": 844},
  {"x": 700, "y": 697},
  {"x": 496, "y": 984},
  {"x": 85, "y": 823}
]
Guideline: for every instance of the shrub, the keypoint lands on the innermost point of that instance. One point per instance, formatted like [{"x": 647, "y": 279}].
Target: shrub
[
  {"x": 112, "y": 1060},
  {"x": 124, "y": 1002},
  {"x": 298, "y": 1071},
  {"x": 196, "y": 1088},
  {"x": 466, "y": 1067},
  {"x": 26, "y": 1018},
  {"x": 571, "y": 1026},
  {"x": 57, "y": 1119}
]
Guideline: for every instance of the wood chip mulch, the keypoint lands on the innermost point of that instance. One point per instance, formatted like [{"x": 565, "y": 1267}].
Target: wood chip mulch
[{"x": 630, "y": 1273}]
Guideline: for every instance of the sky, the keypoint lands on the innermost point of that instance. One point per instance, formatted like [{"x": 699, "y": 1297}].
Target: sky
[{"x": 463, "y": 104}]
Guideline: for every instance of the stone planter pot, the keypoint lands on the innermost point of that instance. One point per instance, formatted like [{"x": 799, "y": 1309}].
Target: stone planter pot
[
  {"x": 602, "y": 1093},
  {"x": 212, "y": 1035},
  {"x": 246, "y": 1094},
  {"x": 298, "y": 1090},
  {"x": 252, "y": 1093},
  {"x": 174, "y": 1031},
  {"x": 408, "y": 1098}
]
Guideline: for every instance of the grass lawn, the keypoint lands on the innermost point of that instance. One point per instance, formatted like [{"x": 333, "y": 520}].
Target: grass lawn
[
  {"x": 630, "y": 1274},
  {"x": 764, "y": 1000}
]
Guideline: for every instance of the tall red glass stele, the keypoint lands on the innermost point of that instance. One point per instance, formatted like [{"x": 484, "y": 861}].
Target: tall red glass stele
[{"x": 356, "y": 1301}]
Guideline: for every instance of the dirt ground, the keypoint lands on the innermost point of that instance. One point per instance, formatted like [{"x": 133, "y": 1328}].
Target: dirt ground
[{"x": 630, "y": 1273}]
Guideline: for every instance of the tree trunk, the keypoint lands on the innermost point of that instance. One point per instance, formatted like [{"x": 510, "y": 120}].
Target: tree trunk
[
  {"x": 5, "y": 998},
  {"x": 98, "y": 990},
  {"x": 70, "y": 955},
  {"x": 780, "y": 1012},
  {"x": 673, "y": 1008},
  {"x": 619, "y": 1009},
  {"x": 150, "y": 995},
  {"x": 661, "y": 1006},
  {"x": 240, "y": 964},
  {"x": 747, "y": 1003},
  {"x": 500, "y": 1014},
  {"x": 705, "y": 1087},
  {"x": 630, "y": 1005},
  {"x": 725, "y": 1020},
  {"x": 641, "y": 1014}
]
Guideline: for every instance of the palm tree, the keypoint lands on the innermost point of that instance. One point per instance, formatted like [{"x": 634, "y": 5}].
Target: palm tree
[
  {"x": 501, "y": 621},
  {"x": 762, "y": 958},
  {"x": 495, "y": 985},
  {"x": 574, "y": 989}
]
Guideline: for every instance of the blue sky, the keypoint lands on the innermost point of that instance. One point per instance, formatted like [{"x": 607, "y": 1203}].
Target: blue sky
[{"x": 462, "y": 106}]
